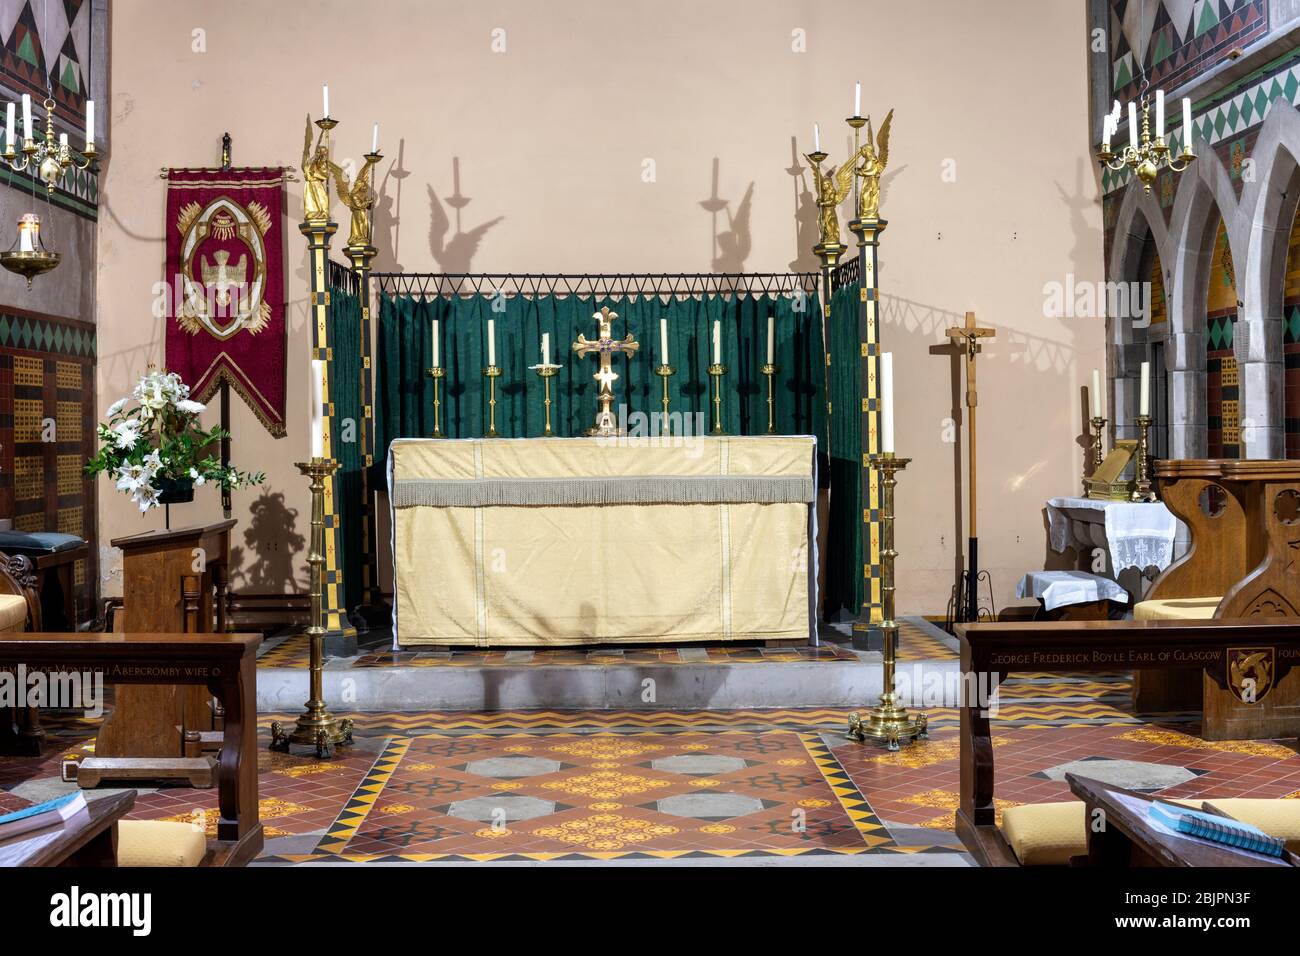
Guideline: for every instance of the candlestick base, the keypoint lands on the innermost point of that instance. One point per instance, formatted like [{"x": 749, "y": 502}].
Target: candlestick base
[
  {"x": 769, "y": 370},
  {"x": 437, "y": 373},
  {"x": 1142, "y": 490},
  {"x": 547, "y": 372},
  {"x": 493, "y": 372},
  {"x": 716, "y": 371},
  {"x": 665, "y": 372}
]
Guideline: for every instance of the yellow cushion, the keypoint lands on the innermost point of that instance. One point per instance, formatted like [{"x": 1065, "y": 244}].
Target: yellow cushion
[
  {"x": 159, "y": 843},
  {"x": 1277, "y": 818},
  {"x": 1177, "y": 609},
  {"x": 13, "y": 613},
  {"x": 1046, "y": 834}
]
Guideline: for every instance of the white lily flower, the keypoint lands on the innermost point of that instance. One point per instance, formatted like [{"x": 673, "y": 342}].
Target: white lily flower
[
  {"x": 189, "y": 407},
  {"x": 116, "y": 407}
]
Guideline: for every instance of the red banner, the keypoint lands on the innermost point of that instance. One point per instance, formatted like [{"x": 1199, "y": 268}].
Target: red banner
[{"x": 225, "y": 285}]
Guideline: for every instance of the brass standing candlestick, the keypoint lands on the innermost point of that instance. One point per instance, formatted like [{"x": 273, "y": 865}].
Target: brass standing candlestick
[
  {"x": 665, "y": 372},
  {"x": 888, "y": 721},
  {"x": 770, "y": 370},
  {"x": 437, "y": 373},
  {"x": 1098, "y": 441},
  {"x": 317, "y": 727},
  {"x": 1142, "y": 463},
  {"x": 547, "y": 372},
  {"x": 716, "y": 372},
  {"x": 493, "y": 372}
]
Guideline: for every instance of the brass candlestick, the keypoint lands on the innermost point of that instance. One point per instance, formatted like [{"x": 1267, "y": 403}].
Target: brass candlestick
[
  {"x": 547, "y": 372},
  {"x": 1142, "y": 463},
  {"x": 437, "y": 373},
  {"x": 716, "y": 371},
  {"x": 888, "y": 721},
  {"x": 770, "y": 370},
  {"x": 665, "y": 372},
  {"x": 493, "y": 372},
  {"x": 1098, "y": 452},
  {"x": 317, "y": 727}
]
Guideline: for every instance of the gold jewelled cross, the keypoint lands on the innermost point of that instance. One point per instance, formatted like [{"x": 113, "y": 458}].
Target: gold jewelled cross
[{"x": 605, "y": 346}]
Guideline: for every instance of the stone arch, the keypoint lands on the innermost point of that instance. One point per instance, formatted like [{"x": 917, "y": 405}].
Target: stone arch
[{"x": 1268, "y": 207}]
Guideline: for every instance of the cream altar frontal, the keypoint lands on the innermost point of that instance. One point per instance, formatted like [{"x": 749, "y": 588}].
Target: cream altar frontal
[{"x": 562, "y": 541}]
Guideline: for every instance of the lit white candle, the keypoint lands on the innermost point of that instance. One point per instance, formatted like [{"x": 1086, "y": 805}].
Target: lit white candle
[
  {"x": 771, "y": 338},
  {"x": 325, "y": 96},
  {"x": 546, "y": 348},
  {"x": 317, "y": 408},
  {"x": 374, "y": 139},
  {"x": 492, "y": 342},
  {"x": 90, "y": 124},
  {"x": 1187, "y": 124},
  {"x": 27, "y": 116},
  {"x": 434, "y": 333},
  {"x": 1144, "y": 390},
  {"x": 1133, "y": 125},
  {"x": 857, "y": 99},
  {"x": 1096, "y": 393},
  {"x": 886, "y": 402},
  {"x": 9, "y": 126},
  {"x": 663, "y": 341},
  {"x": 1160, "y": 114},
  {"x": 717, "y": 342},
  {"x": 817, "y": 138}
]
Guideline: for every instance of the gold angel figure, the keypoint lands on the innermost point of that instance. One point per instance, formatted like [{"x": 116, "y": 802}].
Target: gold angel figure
[
  {"x": 874, "y": 156},
  {"x": 316, "y": 168},
  {"x": 832, "y": 189},
  {"x": 358, "y": 197}
]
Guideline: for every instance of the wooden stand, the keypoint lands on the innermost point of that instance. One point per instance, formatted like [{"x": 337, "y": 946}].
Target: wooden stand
[{"x": 174, "y": 581}]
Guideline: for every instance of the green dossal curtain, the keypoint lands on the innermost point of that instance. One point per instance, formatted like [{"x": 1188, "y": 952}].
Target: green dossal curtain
[
  {"x": 845, "y": 586},
  {"x": 345, "y": 436},
  {"x": 404, "y": 390}
]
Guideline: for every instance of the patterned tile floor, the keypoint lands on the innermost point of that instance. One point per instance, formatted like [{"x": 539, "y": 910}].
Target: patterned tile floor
[{"x": 670, "y": 785}]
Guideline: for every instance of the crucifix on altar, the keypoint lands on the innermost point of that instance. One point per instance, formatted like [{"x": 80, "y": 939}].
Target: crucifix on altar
[
  {"x": 605, "y": 346},
  {"x": 967, "y": 337}
]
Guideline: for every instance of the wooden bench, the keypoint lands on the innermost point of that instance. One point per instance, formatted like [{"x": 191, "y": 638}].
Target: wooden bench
[
  {"x": 222, "y": 663},
  {"x": 991, "y": 650}
]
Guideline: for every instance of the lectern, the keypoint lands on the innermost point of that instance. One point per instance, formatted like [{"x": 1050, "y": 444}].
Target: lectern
[{"x": 174, "y": 580}]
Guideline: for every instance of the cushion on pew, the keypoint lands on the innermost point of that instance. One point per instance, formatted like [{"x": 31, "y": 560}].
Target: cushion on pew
[
  {"x": 13, "y": 613},
  {"x": 1277, "y": 818},
  {"x": 1046, "y": 834},
  {"x": 1177, "y": 609},
  {"x": 159, "y": 843}
]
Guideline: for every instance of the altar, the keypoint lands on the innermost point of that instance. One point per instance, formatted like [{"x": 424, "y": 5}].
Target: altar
[{"x": 613, "y": 540}]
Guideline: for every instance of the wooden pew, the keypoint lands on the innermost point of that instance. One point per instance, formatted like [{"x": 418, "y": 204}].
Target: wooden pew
[
  {"x": 20, "y": 731},
  {"x": 1242, "y": 555},
  {"x": 997, "y": 648},
  {"x": 221, "y": 663}
]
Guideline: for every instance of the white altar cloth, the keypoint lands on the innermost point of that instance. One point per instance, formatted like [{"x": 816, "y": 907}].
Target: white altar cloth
[{"x": 1138, "y": 534}]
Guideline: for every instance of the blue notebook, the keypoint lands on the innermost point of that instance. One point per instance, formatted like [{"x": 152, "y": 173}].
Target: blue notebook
[
  {"x": 40, "y": 815},
  {"x": 1225, "y": 830}
]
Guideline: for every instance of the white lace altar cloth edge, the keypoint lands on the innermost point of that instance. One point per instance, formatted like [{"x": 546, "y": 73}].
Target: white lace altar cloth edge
[{"x": 1138, "y": 534}]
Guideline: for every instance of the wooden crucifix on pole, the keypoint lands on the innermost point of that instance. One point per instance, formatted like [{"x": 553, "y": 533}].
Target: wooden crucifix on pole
[{"x": 968, "y": 337}]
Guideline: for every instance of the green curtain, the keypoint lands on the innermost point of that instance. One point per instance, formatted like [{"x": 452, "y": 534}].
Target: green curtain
[
  {"x": 845, "y": 586},
  {"x": 404, "y": 390},
  {"x": 345, "y": 435}
]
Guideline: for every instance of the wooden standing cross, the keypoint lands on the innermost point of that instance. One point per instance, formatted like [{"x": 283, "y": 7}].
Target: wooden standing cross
[
  {"x": 605, "y": 346},
  {"x": 968, "y": 337}
]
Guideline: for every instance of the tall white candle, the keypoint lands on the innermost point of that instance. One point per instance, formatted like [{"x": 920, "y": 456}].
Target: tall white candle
[
  {"x": 325, "y": 97},
  {"x": 9, "y": 126},
  {"x": 434, "y": 334},
  {"x": 857, "y": 99},
  {"x": 1107, "y": 130},
  {"x": 771, "y": 338},
  {"x": 27, "y": 116},
  {"x": 1096, "y": 393},
  {"x": 817, "y": 138},
  {"x": 1133, "y": 125},
  {"x": 546, "y": 348},
  {"x": 317, "y": 408},
  {"x": 887, "y": 402},
  {"x": 492, "y": 342},
  {"x": 374, "y": 139},
  {"x": 1187, "y": 124},
  {"x": 663, "y": 341},
  {"x": 1144, "y": 390},
  {"x": 717, "y": 342},
  {"x": 1160, "y": 114},
  {"x": 90, "y": 123}
]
